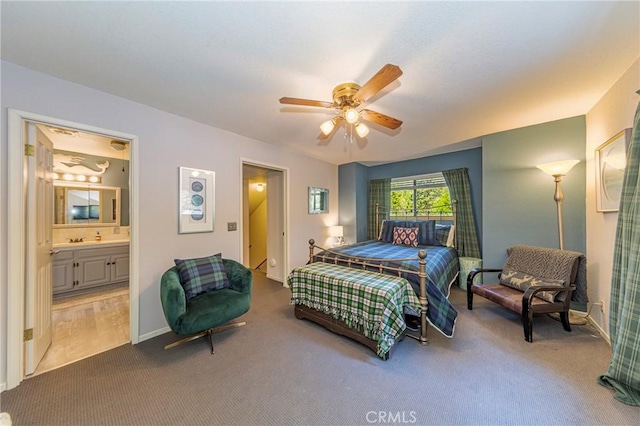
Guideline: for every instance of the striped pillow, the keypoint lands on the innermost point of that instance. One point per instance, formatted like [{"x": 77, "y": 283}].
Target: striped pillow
[{"x": 202, "y": 275}]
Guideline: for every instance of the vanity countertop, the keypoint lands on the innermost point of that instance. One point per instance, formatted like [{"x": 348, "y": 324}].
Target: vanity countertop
[{"x": 90, "y": 244}]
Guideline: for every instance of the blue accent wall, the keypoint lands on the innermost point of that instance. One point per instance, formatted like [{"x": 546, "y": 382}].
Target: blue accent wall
[
  {"x": 353, "y": 192},
  {"x": 470, "y": 158},
  {"x": 355, "y": 177},
  {"x": 512, "y": 199},
  {"x": 518, "y": 204}
]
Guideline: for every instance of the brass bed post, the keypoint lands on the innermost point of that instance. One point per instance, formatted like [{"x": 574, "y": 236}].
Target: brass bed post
[
  {"x": 312, "y": 244},
  {"x": 423, "y": 298}
]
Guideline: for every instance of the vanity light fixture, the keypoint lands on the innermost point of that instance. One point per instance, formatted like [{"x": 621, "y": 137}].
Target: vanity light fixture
[
  {"x": 70, "y": 177},
  {"x": 260, "y": 187}
]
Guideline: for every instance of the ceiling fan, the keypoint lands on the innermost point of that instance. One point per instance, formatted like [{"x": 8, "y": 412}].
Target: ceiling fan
[{"x": 347, "y": 97}]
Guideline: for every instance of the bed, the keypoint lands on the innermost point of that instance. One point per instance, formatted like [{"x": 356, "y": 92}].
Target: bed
[{"x": 430, "y": 265}]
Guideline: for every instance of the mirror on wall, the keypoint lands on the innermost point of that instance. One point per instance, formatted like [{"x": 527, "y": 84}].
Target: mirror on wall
[
  {"x": 318, "y": 200},
  {"x": 86, "y": 206}
]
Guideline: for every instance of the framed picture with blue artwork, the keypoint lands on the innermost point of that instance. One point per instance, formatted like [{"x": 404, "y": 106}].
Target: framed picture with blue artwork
[
  {"x": 611, "y": 161},
  {"x": 197, "y": 200}
]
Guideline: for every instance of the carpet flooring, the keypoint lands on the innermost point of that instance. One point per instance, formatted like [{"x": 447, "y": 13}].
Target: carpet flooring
[{"x": 278, "y": 370}]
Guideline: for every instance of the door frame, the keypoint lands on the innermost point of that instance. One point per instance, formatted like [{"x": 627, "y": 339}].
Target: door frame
[
  {"x": 16, "y": 238},
  {"x": 285, "y": 209}
]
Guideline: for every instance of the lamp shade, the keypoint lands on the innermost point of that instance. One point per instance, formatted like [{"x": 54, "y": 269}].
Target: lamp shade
[
  {"x": 558, "y": 168},
  {"x": 336, "y": 231},
  {"x": 351, "y": 115},
  {"x": 328, "y": 126},
  {"x": 362, "y": 130}
]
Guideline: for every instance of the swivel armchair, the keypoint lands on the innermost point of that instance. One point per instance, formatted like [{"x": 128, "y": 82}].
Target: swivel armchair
[{"x": 205, "y": 313}]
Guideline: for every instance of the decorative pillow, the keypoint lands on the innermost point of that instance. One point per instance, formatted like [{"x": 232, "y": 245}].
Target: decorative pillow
[
  {"x": 442, "y": 234},
  {"x": 405, "y": 236},
  {"x": 381, "y": 228},
  {"x": 521, "y": 281},
  {"x": 386, "y": 233},
  {"x": 427, "y": 233},
  {"x": 202, "y": 274},
  {"x": 451, "y": 242}
]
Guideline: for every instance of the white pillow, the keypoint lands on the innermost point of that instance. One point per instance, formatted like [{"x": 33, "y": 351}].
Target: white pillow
[{"x": 451, "y": 237}]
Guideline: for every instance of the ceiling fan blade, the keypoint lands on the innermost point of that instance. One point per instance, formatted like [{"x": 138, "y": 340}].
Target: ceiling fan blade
[
  {"x": 306, "y": 102},
  {"x": 339, "y": 120},
  {"x": 382, "y": 79},
  {"x": 381, "y": 119}
]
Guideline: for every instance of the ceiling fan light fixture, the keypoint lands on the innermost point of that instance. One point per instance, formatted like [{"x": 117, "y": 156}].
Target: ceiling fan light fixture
[
  {"x": 362, "y": 130},
  {"x": 327, "y": 126},
  {"x": 351, "y": 115}
]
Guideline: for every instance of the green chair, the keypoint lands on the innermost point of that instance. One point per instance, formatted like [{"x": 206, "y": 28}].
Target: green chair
[{"x": 205, "y": 313}]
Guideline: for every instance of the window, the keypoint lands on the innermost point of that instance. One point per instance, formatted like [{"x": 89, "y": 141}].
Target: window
[{"x": 420, "y": 196}]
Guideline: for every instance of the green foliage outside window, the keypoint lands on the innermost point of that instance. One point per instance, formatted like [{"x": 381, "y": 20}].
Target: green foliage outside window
[{"x": 425, "y": 196}]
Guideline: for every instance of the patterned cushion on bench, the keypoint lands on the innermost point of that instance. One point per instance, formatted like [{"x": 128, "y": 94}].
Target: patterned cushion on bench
[{"x": 521, "y": 281}]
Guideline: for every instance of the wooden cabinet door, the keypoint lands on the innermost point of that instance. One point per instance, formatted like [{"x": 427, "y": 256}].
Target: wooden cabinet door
[
  {"x": 120, "y": 266},
  {"x": 62, "y": 272},
  {"x": 94, "y": 268}
]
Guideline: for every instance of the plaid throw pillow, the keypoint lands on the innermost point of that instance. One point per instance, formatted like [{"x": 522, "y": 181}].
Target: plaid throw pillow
[
  {"x": 405, "y": 236},
  {"x": 202, "y": 274}
]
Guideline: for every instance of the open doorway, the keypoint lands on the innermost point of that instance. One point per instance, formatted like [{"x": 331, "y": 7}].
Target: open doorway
[
  {"x": 265, "y": 219},
  {"x": 23, "y": 296},
  {"x": 90, "y": 246}
]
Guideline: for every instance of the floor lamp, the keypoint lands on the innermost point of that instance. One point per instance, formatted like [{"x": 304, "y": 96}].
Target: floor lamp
[{"x": 557, "y": 169}]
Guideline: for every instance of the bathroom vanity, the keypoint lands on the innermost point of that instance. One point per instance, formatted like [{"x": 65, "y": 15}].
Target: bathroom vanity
[{"x": 81, "y": 266}]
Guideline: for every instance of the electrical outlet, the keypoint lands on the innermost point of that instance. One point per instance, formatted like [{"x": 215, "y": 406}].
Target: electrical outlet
[
  {"x": 232, "y": 226},
  {"x": 602, "y": 307}
]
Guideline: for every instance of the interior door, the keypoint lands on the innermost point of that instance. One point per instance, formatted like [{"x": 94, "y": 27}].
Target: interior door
[
  {"x": 39, "y": 247},
  {"x": 275, "y": 225}
]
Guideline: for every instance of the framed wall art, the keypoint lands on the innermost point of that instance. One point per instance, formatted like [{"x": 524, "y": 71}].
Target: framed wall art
[
  {"x": 318, "y": 200},
  {"x": 197, "y": 202},
  {"x": 611, "y": 160}
]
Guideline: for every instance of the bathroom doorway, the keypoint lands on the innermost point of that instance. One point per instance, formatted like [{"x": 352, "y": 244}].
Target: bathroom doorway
[{"x": 20, "y": 294}]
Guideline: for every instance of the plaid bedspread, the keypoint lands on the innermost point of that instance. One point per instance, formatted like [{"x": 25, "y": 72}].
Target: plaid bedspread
[
  {"x": 369, "y": 302},
  {"x": 442, "y": 269}
]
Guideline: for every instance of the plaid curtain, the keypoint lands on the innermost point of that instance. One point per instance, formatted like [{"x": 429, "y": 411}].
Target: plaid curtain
[
  {"x": 623, "y": 374},
  {"x": 466, "y": 234},
  {"x": 379, "y": 192}
]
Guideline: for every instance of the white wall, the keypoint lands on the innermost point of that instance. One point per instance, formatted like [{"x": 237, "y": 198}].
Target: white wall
[
  {"x": 613, "y": 113},
  {"x": 166, "y": 142}
]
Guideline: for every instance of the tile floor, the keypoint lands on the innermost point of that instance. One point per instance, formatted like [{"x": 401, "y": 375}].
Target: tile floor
[{"x": 86, "y": 325}]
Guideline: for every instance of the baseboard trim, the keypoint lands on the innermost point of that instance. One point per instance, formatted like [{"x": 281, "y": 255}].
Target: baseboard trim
[
  {"x": 153, "y": 334},
  {"x": 591, "y": 321},
  {"x": 278, "y": 279},
  {"x": 604, "y": 335}
]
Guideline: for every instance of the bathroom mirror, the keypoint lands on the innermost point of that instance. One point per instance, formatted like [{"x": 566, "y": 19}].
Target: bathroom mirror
[
  {"x": 318, "y": 200},
  {"x": 86, "y": 206}
]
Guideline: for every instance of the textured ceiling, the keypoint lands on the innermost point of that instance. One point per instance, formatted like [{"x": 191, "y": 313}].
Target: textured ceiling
[{"x": 470, "y": 68}]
